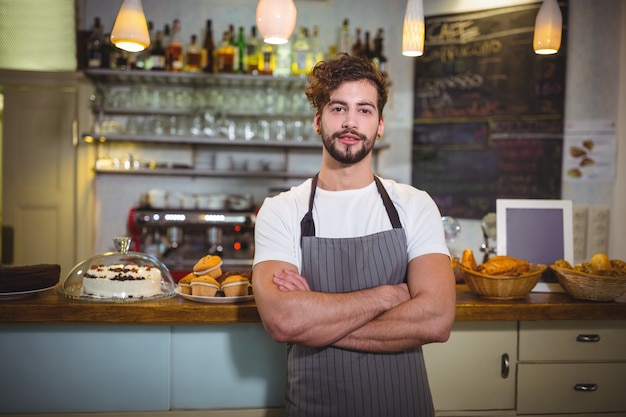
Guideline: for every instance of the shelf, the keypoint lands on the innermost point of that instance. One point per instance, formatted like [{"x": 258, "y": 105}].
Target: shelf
[
  {"x": 203, "y": 140},
  {"x": 193, "y": 172},
  {"x": 188, "y": 79}
]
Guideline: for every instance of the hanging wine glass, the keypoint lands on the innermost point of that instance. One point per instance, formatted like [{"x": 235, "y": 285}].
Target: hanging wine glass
[{"x": 451, "y": 229}]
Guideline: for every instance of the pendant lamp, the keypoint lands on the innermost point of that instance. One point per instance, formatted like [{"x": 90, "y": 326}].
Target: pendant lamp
[
  {"x": 548, "y": 28},
  {"x": 413, "y": 30},
  {"x": 130, "y": 31},
  {"x": 276, "y": 20}
]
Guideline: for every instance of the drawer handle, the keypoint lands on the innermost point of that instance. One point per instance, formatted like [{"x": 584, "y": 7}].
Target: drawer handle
[
  {"x": 504, "y": 368},
  {"x": 585, "y": 387},
  {"x": 586, "y": 338}
]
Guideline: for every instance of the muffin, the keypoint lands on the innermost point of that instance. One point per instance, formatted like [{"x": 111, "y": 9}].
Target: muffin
[
  {"x": 235, "y": 286},
  {"x": 184, "y": 284},
  {"x": 209, "y": 265},
  {"x": 204, "y": 286}
]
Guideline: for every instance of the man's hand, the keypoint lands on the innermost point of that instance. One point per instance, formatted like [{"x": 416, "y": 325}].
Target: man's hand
[{"x": 290, "y": 280}]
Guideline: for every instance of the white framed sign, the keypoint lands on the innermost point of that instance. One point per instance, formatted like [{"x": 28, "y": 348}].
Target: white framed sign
[{"x": 539, "y": 231}]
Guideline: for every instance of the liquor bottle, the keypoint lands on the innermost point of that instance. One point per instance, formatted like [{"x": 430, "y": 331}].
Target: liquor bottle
[
  {"x": 282, "y": 67},
  {"x": 302, "y": 60},
  {"x": 316, "y": 47},
  {"x": 108, "y": 52},
  {"x": 225, "y": 55},
  {"x": 379, "y": 56},
  {"x": 253, "y": 52},
  {"x": 142, "y": 60},
  {"x": 345, "y": 43},
  {"x": 241, "y": 52},
  {"x": 175, "y": 50},
  {"x": 357, "y": 47},
  {"x": 94, "y": 48},
  {"x": 167, "y": 36},
  {"x": 158, "y": 54},
  {"x": 267, "y": 59},
  {"x": 193, "y": 56},
  {"x": 208, "y": 48},
  {"x": 232, "y": 39},
  {"x": 367, "y": 46}
]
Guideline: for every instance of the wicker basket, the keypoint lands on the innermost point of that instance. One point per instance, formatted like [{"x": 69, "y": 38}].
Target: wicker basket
[
  {"x": 585, "y": 286},
  {"x": 503, "y": 287}
]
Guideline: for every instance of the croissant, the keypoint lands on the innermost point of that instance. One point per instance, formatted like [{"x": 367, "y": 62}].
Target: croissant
[
  {"x": 468, "y": 261},
  {"x": 504, "y": 265}
]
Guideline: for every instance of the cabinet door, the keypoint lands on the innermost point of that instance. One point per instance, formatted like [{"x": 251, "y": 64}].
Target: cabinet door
[
  {"x": 564, "y": 340},
  {"x": 571, "y": 388},
  {"x": 38, "y": 180},
  {"x": 466, "y": 372}
]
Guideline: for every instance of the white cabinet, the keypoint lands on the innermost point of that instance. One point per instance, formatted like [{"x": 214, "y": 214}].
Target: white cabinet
[
  {"x": 474, "y": 370},
  {"x": 572, "y": 367}
]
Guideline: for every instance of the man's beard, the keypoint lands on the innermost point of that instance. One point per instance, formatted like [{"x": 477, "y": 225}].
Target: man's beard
[{"x": 346, "y": 154}]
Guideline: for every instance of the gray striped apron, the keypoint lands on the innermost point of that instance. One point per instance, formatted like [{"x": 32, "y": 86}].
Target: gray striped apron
[{"x": 333, "y": 382}]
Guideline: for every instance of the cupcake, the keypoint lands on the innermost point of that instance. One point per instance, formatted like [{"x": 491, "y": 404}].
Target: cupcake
[
  {"x": 235, "y": 286},
  {"x": 209, "y": 265},
  {"x": 184, "y": 284},
  {"x": 204, "y": 286}
]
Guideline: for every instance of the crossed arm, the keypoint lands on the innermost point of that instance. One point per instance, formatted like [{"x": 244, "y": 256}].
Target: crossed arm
[{"x": 386, "y": 318}]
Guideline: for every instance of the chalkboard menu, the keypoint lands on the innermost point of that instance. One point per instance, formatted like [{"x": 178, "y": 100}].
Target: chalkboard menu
[{"x": 488, "y": 111}]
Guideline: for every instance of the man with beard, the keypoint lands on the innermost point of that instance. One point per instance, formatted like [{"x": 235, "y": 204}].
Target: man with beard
[{"x": 352, "y": 271}]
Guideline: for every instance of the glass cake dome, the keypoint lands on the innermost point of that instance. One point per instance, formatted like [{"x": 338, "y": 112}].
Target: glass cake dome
[{"x": 119, "y": 277}]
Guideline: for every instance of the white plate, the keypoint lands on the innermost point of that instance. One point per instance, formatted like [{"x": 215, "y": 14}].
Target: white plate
[
  {"x": 215, "y": 300},
  {"x": 21, "y": 294}
]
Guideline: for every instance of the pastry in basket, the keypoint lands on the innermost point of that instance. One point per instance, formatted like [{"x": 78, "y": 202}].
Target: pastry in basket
[
  {"x": 468, "y": 261},
  {"x": 504, "y": 265},
  {"x": 209, "y": 265}
]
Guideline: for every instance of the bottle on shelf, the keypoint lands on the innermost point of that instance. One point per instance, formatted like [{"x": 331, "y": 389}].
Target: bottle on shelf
[
  {"x": 302, "y": 60},
  {"x": 345, "y": 41},
  {"x": 193, "y": 55},
  {"x": 167, "y": 36},
  {"x": 253, "y": 52},
  {"x": 175, "y": 50},
  {"x": 142, "y": 59},
  {"x": 379, "y": 56},
  {"x": 357, "y": 47},
  {"x": 267, "y": 59},
  {"x": 208, "y": 49},
  {"x": 225, "y": 55},
  {"x": 232, "y": 39},
  {"x": 109, "y": 52},
  {"x": 282, "y": 68},
  {"x": 367, "y": 46},
  {"x": 157, "y": 54},
  {"x": 317, "y": 52},
  {"x": 241, "y": 52},
  {"x": 94, "y": 47}
]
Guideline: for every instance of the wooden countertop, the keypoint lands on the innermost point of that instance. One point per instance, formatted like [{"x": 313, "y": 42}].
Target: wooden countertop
[{"x": 50, "y": 308}]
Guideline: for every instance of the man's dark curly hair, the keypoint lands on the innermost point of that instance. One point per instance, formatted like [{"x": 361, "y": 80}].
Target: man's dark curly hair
[{"x": 327, "y": 76}]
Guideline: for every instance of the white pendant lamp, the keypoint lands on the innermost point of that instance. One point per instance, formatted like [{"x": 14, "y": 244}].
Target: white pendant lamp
[
  {"x": 130, "y": 31},
  {"x": 276, "y": 20},
  {"x": 413, "y": 30},
  {"x": 548, "y": 28}
]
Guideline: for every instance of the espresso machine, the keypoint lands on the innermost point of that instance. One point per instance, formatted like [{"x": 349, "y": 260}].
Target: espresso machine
[{"x": 179, "y": 237}]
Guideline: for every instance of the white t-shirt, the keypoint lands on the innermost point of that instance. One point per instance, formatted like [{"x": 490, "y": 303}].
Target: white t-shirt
[{"x": 344, "y": 214}]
